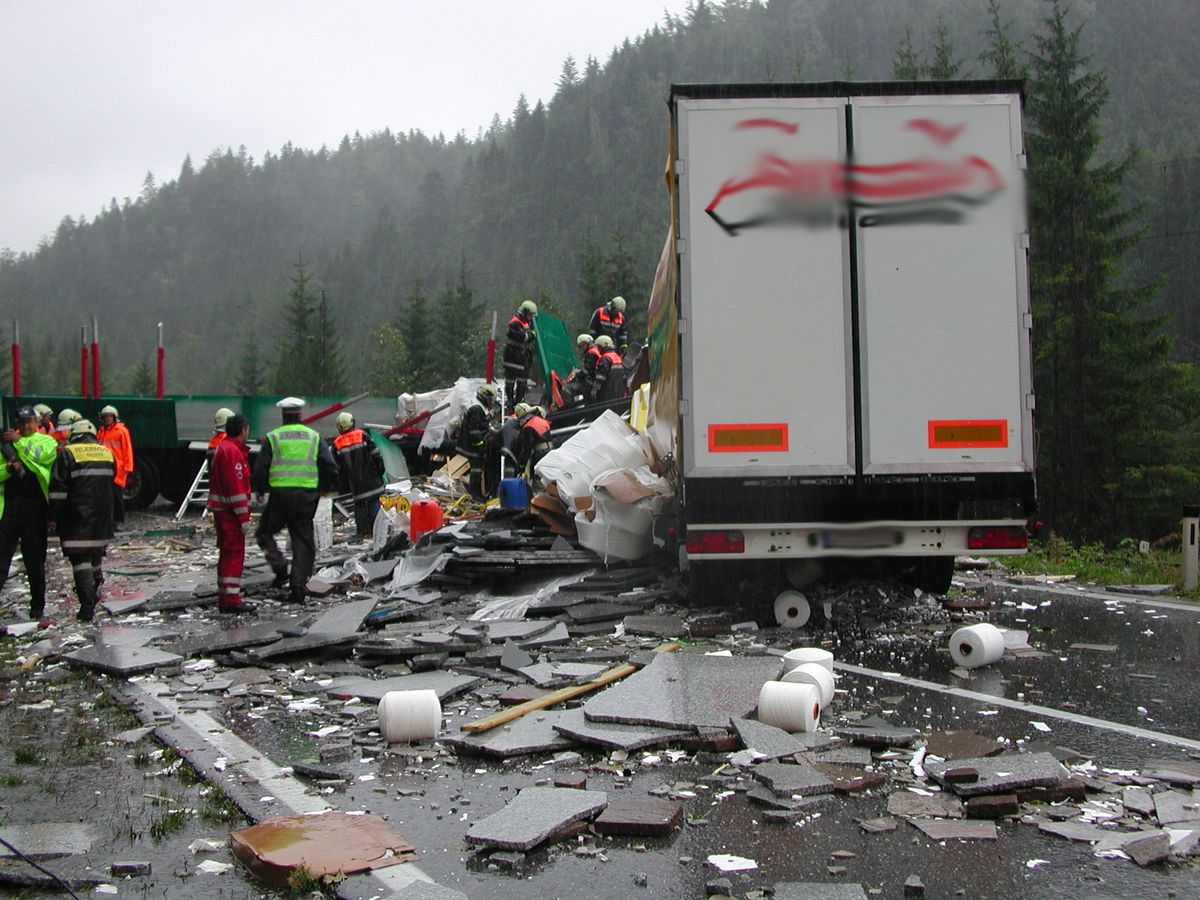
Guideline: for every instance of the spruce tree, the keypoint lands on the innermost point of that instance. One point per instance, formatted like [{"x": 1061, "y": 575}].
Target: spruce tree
[
  {"x": 907, "y": 64},
  {"x": 417, "y": 332},
  {"x": 329, "y": 370},
  {"x": 945, "y": 65},
  {"x": 1100, "y": 358},
  {"x": 142, "y": 381},
  {"x": 250, "y": 377},
  {"x": 293, "y": 365},
  {"x": 1000, "y": 54},
  {"x": 389, "y": 362}
]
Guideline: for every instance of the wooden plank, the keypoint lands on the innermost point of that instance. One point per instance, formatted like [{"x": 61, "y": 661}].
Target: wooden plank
[{"x": 616, "y": 673}]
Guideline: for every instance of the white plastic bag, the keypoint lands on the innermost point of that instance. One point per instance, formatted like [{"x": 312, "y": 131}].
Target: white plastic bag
[{"x": 323, "y": 524}]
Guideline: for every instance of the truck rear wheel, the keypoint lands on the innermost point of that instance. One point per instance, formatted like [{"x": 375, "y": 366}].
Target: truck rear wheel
[
  {"x": 141, "y": 486},
  {"x": 933, "y": 574}
]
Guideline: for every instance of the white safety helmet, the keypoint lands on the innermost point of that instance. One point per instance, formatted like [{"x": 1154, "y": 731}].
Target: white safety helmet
[
  {"x": 583, "y": 340},
  {"x": 520, "y": 409},
  {"x": 67, "y": 417},
  {"x": 42, "y": 410},
  {"x": 604, "y": 342},
  {"x": 486, "y": 392},
  {"x": 617, "y": 303},
  {"x": 83, "y": 426},
  {"x": 528, "y": 306},
  {"x": 345, "y": 422},
  {"x": 222, "y": 416},
  {"x": 110, "y": 411}
]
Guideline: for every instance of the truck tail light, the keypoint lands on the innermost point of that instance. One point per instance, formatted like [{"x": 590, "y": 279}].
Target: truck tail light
[
  {"x": 715, "y": 542},
  {"x": 998, "y": 537}
]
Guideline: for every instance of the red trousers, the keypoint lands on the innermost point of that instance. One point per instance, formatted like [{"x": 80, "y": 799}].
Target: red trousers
[{"x": 231, "y": 557}]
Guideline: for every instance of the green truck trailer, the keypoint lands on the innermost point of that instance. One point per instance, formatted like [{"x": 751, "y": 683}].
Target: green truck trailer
[{"x": 169, "y": 435}]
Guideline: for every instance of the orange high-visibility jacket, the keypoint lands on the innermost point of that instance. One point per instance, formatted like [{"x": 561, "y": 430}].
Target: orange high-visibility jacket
[{"x": 117, "y": 439}]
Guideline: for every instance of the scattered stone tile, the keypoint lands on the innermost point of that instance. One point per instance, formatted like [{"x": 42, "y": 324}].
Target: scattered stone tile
[
  {"x": 119, "y": 607},
  {"x": 880, "y": 825},
  {"x": 554, "y": 675},
  {"x": 446, "y": 684},
  {"x": 1149, "y": 848},
  {"x": 1075, "y": 831},
  {"x": 521, "y": 693},
  {"x": 953, "y": 745},
  {"x": 1003, "y": 774},
  {"x": 1062, "y": 754},
  {"x": 1176, "y": 806},
  {"x": 318, "y": 588},
  {"x": 910, "y": 805},
  {"x": 877, "y": 735},
  {"x": 764, "y": 797},
  {"x": 1058, "y": 813},
  {"x": 321, "y": 773},
  {"x": 1138, "y": 800},
  {"x": 501, "y": 630},
  {"x": 123, "y": 868},
  {"x": 342, "y": 619},
  {"x": 1096, "y": 648},
  {"x": 133, "y": 735},
  {"x": 914, "y": 886},
  {"x": 535, "y": 815},
  {"x": 799, "y": 808},
  {"x": 1072, "y": 790},
  {"x": 1180, "y": 773},
  {"x": 552, "y": 638},
  {"x": 225, "y": 639},
  {"x": 597, "y": 612},
  {"x": 960, "y": 775},
  {"x": 814, "y": 890},
  {"x": 48, "y": 840},
  {"x": 572, "y": 723},
  {"x": 685, "y": 690},
  {"x": 768, "y": 740},
  {"x": 289, "y": 646},
  {"x": 844, "y": 756},
  {"x": 956, "y": 829},
  {"x": 576, "y": 781},
  {"x": 117, "y": 660},
  {"x": 787, "y": 779},
  {"x": 848, "y": 779},
  {"x": 654, "y": 626},
  {"x": 992, "y": 806},
  {"x": 532, "y": 733},
  {"x": 427, "y": 890},
  {"x": 654, "y": 818}
]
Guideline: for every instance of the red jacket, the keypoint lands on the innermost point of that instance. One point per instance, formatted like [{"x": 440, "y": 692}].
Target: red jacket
[
  {"x": 116, "y": 438},
  {"x": 229, "y": 479}
]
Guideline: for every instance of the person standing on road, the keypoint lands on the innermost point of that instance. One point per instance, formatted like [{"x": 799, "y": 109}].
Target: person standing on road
[
  {"x": 220, "y": 420},
  {"x": 609, "y": 319},
  {"x": 518, "y": 353},
  {"x": 361, "y": 467},
  {"x": 229, "y": 500},
  {"x": 81, "y": 507},
  {"x": 294, "y": 466},
  {"x": 115, "y": 436},
  {"x": 24, "y": 504}
]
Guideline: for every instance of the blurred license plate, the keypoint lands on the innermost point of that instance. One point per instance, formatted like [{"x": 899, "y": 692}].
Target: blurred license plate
[{"x": 869, "y": 539}]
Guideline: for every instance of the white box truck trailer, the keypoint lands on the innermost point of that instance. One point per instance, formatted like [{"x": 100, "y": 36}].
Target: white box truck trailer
[{"x": 853, "y": 331}]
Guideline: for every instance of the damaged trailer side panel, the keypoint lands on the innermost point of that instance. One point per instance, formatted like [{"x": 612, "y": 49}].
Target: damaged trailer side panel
[{"x": 854, "y": 319}]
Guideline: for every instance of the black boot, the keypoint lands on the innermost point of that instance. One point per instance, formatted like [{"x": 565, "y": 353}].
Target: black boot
[{"x": 281, "y": 578}]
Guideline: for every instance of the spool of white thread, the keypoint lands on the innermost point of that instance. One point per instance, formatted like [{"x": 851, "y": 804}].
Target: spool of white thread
[
  {"x": 410, "y": 716},
  {"x": 801, "y": 655},
  {"x": 792, "y": 707},
  {"x": 816, "y": 675},
  {"x": 792, "y": 610},
  {"x": 976, "y": 645}
]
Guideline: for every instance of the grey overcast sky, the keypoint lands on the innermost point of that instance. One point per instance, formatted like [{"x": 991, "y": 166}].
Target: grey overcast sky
[{"x": 95, "y": 93}]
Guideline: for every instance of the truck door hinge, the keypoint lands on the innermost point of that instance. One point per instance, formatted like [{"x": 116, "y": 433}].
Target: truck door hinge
[
  {"x": 680, "y": 246},
  {"x": 1030, "y": 402},
  {"x": 682, "y": 325},
  {"x": 1023, "y": 241},
  {"x": 1027, "y": 321},
  {"x": 679, "y": 166},
  {"x": 683, "y": 407},
  {"x": 1022, "y": 161}
]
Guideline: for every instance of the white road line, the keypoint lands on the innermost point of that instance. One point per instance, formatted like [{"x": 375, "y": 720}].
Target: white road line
[
  {"x": 1093, "y": 594},
  {"x": 1045, "y": 712},
  {"x": 289, "y": 793}
]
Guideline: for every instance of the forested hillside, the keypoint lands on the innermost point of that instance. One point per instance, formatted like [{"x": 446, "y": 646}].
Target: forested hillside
[{"x": 560, "y": 201}]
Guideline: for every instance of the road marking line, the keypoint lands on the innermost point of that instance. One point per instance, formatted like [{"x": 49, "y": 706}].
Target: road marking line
[
  {"x": 1045, "y": 712},
  {"x": 1089, "y": 594}
]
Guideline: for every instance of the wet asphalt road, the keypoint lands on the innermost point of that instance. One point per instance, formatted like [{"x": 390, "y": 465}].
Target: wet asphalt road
[{"x": 1154, "y": 640}]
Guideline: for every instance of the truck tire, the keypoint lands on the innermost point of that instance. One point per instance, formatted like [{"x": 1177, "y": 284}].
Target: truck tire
[
  {"x": 933, "y": 574},
  {"x": 141, "y": 488}
]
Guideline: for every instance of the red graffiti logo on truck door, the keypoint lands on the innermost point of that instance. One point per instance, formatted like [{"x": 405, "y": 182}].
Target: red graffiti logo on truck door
[{"x": 822, "y": 191}]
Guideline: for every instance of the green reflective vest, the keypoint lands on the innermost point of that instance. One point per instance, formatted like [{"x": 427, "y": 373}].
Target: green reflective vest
[
  {"x": 294, "y": 449},
  {"x": 37, "y": 453}
]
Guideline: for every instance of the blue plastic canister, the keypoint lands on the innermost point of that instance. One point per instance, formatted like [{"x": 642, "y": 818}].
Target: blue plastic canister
[{"x": 514, "y": 493}]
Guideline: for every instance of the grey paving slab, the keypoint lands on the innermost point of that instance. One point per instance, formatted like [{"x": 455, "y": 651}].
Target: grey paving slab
[
  {"x": 378, "y": 571},
  {"x": 768, "y": 740},
  {"x": 531, "y": 733},
  {"x": 128, "y": 635},
  {"x": 624, "y": 815},
  {"x": 120, "y": 607},
  {"x": 654, "y": 626},
  {"x": 1179, "y": 772},
  {"x": 787, "y": 779},
  {"x": 175, "y": 599},
  {"x": 1176, "y": 806},
  {"x": 956, "y": 829},
  {"x": 343, "y": 619},
  {"x": 560, "y": 674},
  {"x": 513, "y": 658},
  {"x": 961, "y": 745},
  {"x": 120, "y": 660},
  {"x": 845, "y": 756},
  {"x": 685, "y": 690},
  {"x": 1148, "y": 848},
  {"x": 225, "y": 639},
  {"x": 1138, "y": 800},
  {"x": 537, "y": 813},
  {"x": 427, "y": 890},
  {"x": 500, "y": 630},
  {"x": 1004, "y": 773},
  {"x": 1075, "y": 831},
  {"x": 558, "y": 634},
  {"x": 816, "y": 890},
  {"x": 446, "y": 684},
  {"x": 48, "y": 840},
  {"x": 600, "y": 611},
  {"x": 305, "y": 644},
  {"x": 881, "y": 735},
  {"x": 812, "y": 741},
  {"x": 910, "y": 805},
  {"x": 616, "y": 736}
]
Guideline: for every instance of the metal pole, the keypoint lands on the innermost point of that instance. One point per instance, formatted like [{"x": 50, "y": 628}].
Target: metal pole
[
  {"x": 490, "y": 367},
  {"x": 95, "y": 358},
  {"x": 16, "y": 359},
  {"x": 83, "y": 361},
  {"x": 160, "y": 361},
  {"x": 1191, "y": 524}
]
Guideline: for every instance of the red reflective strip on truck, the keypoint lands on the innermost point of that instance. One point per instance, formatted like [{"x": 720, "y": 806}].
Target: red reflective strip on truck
[
  {"x": 772, "y": 438},
  {"x": 948, "y": 433}
]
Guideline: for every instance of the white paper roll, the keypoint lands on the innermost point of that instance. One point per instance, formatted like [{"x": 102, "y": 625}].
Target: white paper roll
[
  {"x": 976, "y": 645},
  {"x": 792, "y": 610},
  {"x": 816, "y": 675},
  {"x": 792, "y": 707},
  {"x": 801, "y": 655},
  {"x": 410, "y": 716}
]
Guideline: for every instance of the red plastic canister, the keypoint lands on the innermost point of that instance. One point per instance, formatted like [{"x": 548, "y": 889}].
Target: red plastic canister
[{"x": 424, "y": 516}]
